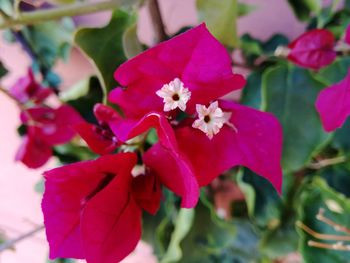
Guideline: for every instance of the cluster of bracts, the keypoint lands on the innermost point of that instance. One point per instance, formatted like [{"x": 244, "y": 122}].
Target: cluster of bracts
[{"x": 93, "y": 209}]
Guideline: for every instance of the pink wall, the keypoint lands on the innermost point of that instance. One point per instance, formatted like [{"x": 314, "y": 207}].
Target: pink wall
[{"x": 20, "y": 205}]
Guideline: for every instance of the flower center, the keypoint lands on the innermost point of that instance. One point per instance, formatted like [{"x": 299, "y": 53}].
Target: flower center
[
  {"x": 211, "y": 120},
  {"x": 174, "y": 95}
]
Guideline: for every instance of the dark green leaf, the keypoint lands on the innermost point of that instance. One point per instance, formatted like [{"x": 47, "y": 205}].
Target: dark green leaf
[
  {"x": 209, "y": 237},
  {"x": 290, "y": 93},
  {"x": 83, "y": 96},
  {"x": 105, "y": 46},
  {"x": 251, "y": 95},
  {"x": 303, "y": 9}
]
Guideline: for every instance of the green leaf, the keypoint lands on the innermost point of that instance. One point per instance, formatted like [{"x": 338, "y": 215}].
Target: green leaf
[
  {"x": 264, "y": 204},
  {"x": 318, "y": 195},
  {"x": 183, "y": 225},
  {"x": 334, "y": 72},
  {"x": 50, "y": 41},
  {"x": 131, "y": 43},
  {"x": 208, "y": 237},
  {"x": 7, "y": 6},
  {"x": 220, "y": 17},
  {"x": 338, "y": 177},
  {"x": 251, "y": 95},
  {"x": 3, "y": 70},
  {"x": 105, "y": 46},
  {"x": 83, "y": 96},
  {"x": 303, "y": 9},
  {"x": 245, "y": 9},
  {"x": 341, "y": 138},
  {"x": 290, "y": 93}
]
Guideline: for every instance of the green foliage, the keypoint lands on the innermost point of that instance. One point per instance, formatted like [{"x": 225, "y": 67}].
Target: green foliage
[
  {"x": 304, "y": 8},
  {"x": 50, "y": 41},
  {"x": 131, "y": 43},
  {"x": 318, "y": 195},
  {"x": 3, "y": 70},
  {"x": 290, "y": 93},
  {"x": 220, "y": 17},
  {"x": 83, "y": 96},
  {"x": 105, "y": 46}
]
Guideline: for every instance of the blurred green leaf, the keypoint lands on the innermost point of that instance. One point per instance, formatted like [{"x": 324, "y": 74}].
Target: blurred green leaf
[
  {"x": 105, "y": 46},
  {"x": 303, "y": 9},
  {"x": 50, "y": 41},
  {"x": 220, "y": 17},
  {"x": 183, "y": 224},
  {"x": 131, "y": 43},
  {"x": 70, "y": 153},
  {"x": 245, "y": 9},
  {"x": 7, "y": 6},
  {"x": 290, "y": 93},
  {"x": 208, "y": 237},
  {"x": 83, "y": 96},
  {"x": 318, "y": 195},
  {"x": 3, "y": 70}
]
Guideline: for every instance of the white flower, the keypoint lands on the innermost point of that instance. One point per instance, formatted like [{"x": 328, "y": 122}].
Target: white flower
[
  {"x": 174, "y": 95},
  {"x": 210, "y": 120}
]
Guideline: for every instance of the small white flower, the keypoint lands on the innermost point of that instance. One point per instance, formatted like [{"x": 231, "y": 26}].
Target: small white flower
[
  {"x": 210, "y": 120},
  {"x": 174, "y": 95}
]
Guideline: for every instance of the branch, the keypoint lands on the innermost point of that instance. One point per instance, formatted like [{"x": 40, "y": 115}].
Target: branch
[
  {"x": 29, "y": 18},
  {"x": 327, "y": 162},
  {"x": 321, "y": 236},
  {"x": 157, "y": 21},
  {"x": 10, "y": 243}
]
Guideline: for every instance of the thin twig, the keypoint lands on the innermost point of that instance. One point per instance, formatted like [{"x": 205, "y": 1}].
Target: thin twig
[
  {"x": 10, "y": 243},
  {"x": 157, "y": 21},
  {"x": 337, "y": 227},
  {"x": 79, "y": 8},
  {"x": 326, "y": 162},
  {"x": 321, "y": 236},
  {"x": 337, "y": 246}
]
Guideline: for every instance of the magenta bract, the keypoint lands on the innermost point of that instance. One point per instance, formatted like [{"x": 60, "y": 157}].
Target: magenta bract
[
  {"x": 333, "y": 104},
  {"x": 313, "y": 49},
  {"x": 91, "y": 209},
  {"x": 46, "y": 127}
]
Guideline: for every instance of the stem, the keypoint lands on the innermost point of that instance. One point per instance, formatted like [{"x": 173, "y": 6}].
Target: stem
[
  {"x": 29, "y": 18},
  {"x": 337, "y": 246},
  {"x": 327, "y": 162},
  {"x": 337, "y": 227},
  {"x": 157, "y": 21},
  {"x": 10, "y": 243},
  {"x": 321, "y": 236}
]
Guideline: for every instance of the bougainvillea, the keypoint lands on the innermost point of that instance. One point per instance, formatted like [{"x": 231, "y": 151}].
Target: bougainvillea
[{"x": 209, "y": 145}]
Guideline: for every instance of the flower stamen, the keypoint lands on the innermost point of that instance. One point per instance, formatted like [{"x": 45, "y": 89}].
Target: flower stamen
[
  {"x": 175, "y": 95},
  {"x": 212, "y": 119}
]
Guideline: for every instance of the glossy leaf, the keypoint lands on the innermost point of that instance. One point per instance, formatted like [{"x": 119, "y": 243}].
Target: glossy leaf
[
  {"x": 220, "y": 17},
  {"x": 290, "y": 93},
  {"x": 105, "y": 46}
]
